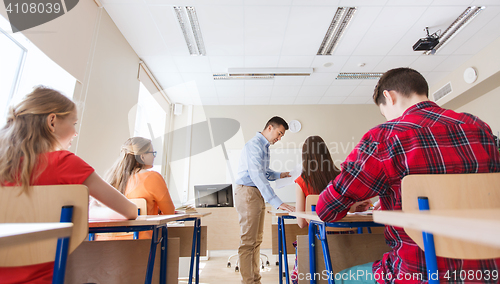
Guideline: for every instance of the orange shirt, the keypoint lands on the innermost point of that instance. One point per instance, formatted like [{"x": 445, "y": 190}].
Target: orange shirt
[{"x": 151, "y": 186}]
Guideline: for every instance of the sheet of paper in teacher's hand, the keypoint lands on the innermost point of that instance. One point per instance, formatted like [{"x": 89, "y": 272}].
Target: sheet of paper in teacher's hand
[{"x": 295, "y": 173}]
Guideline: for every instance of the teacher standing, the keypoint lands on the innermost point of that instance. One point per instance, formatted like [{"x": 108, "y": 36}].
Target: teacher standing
[{"x": 252, "y": 190}]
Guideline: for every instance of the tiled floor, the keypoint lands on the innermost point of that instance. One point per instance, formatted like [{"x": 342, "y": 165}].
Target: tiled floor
[{"x": 215, "y": 270}]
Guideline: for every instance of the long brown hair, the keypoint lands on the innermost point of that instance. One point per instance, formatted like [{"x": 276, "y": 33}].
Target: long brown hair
[
  {"x": 318, "y": 168},
  {"x": 129, "y": 162},
  {"x": 27, "y": 135}
]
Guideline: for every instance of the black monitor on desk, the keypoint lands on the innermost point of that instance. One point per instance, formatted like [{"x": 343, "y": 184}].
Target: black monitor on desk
[{"x": 214, "y": 195}]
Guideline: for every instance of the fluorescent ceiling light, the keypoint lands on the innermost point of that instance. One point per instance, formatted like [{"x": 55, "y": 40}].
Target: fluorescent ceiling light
[
  {"x": 225, "y": 76},
  {"x": 190, "y": 27},
  {"x": 337, "y": 27},
  {"x": 252, "y": 72},
  {"x": 358, "y": 76},
  {"x": 462, "y": 20}
]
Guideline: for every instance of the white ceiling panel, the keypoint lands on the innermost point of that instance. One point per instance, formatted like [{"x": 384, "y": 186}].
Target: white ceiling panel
[
  {"x": 192, "y": 64},
  {"x": 352, "y": 65},
  {"x": 339, "y": 91},
  {"x": 220, "y": 64},
  {"x": 261, "y": 61},
  {"x": 158, "y": 64},
  {"x": 287, "y": 33},
  {"x": 332, "y": 100},
  {"x": 168, "y": 27},
  {"x": 289, "y": 81},
  {"x": 427, "y": 62},
  {"x": 320, "y": 60},
  {"x": 319, "y": 79},
  {"x": 257, "y": 100},
  {"x": 306, "y": 28},
  {"x": 200, "y": 79},
  {"x": 360, "y": 23},
  {"x": 306, "y": 100},
  {"x": 222, "y": 29},
  {"x": 142, "y": 34},
  {"x": 316, "y": 2},
  {"x": 372, "y": 44},
  {"x": 313, "y": 91},
  {"x": 390, "y": 62},
  {"x": 295, "y": 61},
  {"x": 237, "y": 91},
  {"x": 285, "y": 91},
  {"x": 258, "y": 91},
  {"x": 362, "y": 91}
]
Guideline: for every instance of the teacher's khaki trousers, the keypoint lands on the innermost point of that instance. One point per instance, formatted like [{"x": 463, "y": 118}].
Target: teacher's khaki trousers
[{"x": 251, "y": 209}]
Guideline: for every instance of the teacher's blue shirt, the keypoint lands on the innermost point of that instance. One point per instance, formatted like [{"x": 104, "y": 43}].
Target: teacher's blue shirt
[{"x": 253, "y": 169}]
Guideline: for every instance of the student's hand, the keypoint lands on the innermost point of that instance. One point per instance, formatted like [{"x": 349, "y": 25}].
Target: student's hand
[
  {"x": 286, "y": 207},
  {"x": 285, "y": 175},
  {"x": 360, "y": 206},
  {"x": 376, "y": 205}
]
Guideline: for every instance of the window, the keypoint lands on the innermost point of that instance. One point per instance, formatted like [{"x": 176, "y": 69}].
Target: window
[
  {"x": 23, "y": 67},
  {"x": 150, "y": 123}
]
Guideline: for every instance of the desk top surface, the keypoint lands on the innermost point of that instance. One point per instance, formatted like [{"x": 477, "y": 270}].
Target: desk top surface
[
  {"x": 18, "y": 233},
  {"x": 279, "y": 213},
  {"x": 478, "y": 225},
  {"x": 142, "y": 220},
  {"x": 309, "y": 215}
]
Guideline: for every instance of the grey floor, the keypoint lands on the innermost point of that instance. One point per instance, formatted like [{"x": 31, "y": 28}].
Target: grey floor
[{"x": 215, "y": 270}]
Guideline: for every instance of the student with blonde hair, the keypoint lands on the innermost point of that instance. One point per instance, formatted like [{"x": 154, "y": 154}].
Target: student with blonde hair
[
  {"x": 132, "y": 176},
  {"x": 34, "y": 151}
]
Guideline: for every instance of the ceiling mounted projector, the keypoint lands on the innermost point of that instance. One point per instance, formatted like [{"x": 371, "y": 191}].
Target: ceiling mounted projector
[{"x": 427, "y": 43}]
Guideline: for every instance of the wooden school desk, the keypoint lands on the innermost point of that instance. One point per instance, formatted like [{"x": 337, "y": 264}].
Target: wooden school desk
[
  {"x": 22, "y": 233},
  {"x": 316, "y": 225},
  {"x": 156, "y": 223},
  {"x": 283, "y": 256},
  {"x": 475, "y": 225}
]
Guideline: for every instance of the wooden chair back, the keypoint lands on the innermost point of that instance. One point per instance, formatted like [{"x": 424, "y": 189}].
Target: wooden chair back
[
  {"x": 141, "y": 204},
  {"x": 312, "y": 200},
  {"x": 453, "y": 191},
  {"x": 42, "y": 204}
]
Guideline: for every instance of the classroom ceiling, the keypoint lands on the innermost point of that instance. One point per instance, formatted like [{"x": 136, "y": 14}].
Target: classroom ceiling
[{"x": 288, "y": 33}]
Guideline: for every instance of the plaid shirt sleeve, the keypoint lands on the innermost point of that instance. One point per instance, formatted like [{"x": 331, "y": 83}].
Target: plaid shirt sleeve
[{"x": 362, "y": 177}]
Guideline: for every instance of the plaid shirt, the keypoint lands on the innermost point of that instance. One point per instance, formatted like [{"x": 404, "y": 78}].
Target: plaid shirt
[{"x": 426, "y": 139}]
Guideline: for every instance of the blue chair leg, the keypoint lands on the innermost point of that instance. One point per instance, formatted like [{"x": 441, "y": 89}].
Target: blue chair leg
[
  {"x": 360, "y": 230},
  {"x": 152, "y": 255},
  {"x": 91, "y": 236},
  {"x": 312, "y": 252},
  {"x": 326, "y": 253},
  {"x": 62, "y": 248},
  {"x": 429, "y": 248},
  {"x": 369, "y": 230},
  {"x": 193, "y": 253},
  {"x": 198, "y": 245},
  {"x": 280, "y": 251},
  {"x": 163, "y": 255},
  {"x": 285, "y": 253}
]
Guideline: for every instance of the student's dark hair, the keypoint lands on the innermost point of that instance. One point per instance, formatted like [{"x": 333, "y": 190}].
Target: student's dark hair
[
  {"x": 276, "y": 121},
  {"x": 402, "y": 80},
  {"x": 318, "y": 168}
]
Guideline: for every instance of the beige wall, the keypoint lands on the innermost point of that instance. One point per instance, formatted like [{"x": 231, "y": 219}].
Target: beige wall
[{"x": 486, "y": 108}]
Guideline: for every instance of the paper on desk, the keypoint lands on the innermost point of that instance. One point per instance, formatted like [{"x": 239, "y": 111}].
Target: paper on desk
[{"x": 282, "y": 182}]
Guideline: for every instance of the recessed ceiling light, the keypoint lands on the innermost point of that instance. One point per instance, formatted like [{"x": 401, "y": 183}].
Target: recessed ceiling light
[
  {"x": 337, "y": 27},
  {"x": 358, "y": 76},
  {"x": 225, "y": 76},
  {"x": 190, "y": 27}
]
